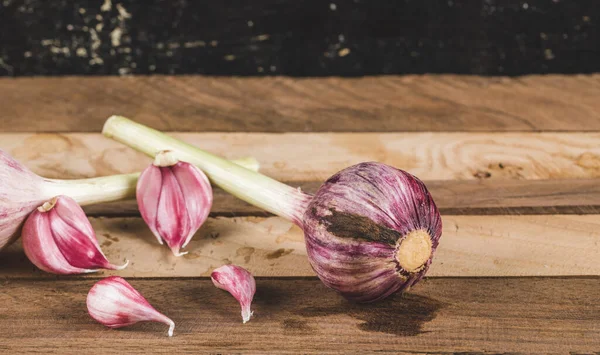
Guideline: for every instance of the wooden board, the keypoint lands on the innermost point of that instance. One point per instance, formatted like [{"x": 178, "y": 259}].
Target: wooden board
[
  {"x": 317, "y": 156},
  {"x": 524, "y": 315},
  {"x": 514, "y": 165},
  {"x": 452, "y": 197},
  {"x": 371, "y": 104},
  {"x": 470, "y": 246}
]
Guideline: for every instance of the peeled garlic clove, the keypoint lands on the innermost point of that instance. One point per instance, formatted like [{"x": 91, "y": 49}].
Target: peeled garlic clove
[
  {"x": 114, "y": 303},
  {"x": 239, "y": 282},
  {"x": 174, "y": 199},
  {"x": 58, "y": 238}
]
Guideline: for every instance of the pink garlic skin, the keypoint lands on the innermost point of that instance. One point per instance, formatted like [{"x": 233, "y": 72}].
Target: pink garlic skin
[
  {"x": 20, "y": 193},
  {"x": 61, "y": 240},
  {"x": 114, "y": 303},
  {"x": 239, "y": 282},
  {"x": 174, "y": 201},
  {"x": 355, "y": 224}
]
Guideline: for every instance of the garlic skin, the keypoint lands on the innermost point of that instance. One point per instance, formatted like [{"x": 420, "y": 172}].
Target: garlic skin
[
  {"x": 174, "y": 199},
  {"x": 239, "y": 283},
  {"x": 58, "y": 238},
  {"x": 114, "y": 303},
  {"x": 20, "y": 193},
  {"x": 371, "y": 230}
]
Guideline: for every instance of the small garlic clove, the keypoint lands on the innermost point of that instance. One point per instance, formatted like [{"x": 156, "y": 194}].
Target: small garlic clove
[
  {"x": 174, "y": 199},
  {"x": 114, "y": 303},
  {"x": 58, "y": 238},
  {"x": 239, "y": 282}
]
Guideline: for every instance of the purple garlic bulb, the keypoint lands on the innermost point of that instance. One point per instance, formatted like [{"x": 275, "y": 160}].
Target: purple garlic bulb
[{"x": 371, "y": 230}]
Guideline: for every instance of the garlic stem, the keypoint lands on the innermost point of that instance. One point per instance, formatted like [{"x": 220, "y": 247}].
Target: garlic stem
[
  {"x": 109, "y": 188},
  {"x": 95, "y": 190},
  {"x": 252, "y": 187}
]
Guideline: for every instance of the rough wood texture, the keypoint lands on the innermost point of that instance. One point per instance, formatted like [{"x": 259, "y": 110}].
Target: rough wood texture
[
  {"x": 470, "y": 246},
  {"x": 317, "y": 156},
  {"x": 525, "y": 315},
  {"x": 377, "y": 104},
  {"x": 307, "y": 38},
  {"x": 453, "y": 197}
]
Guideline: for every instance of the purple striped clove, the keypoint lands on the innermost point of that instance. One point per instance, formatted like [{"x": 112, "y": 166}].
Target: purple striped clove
[
  {"x": 174, "y": 199},
  {"x": 114, "y": 303},
  {"x": 239, "y": 282},
  {"x": 58, "y": 238}
]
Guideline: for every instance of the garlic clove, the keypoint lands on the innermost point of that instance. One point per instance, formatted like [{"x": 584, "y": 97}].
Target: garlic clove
[
  {"x": 148, "y": 194},
  {"x": 58, "y": 238},
  {"x": 41, "y": 249},
  {"x": 239, "y": 283},
  {"x": 172, "y": 222},
  {"x": 198, "y": 195},
  {"x": 114, "y": 303},
  {"x": 174, "y": 199}
]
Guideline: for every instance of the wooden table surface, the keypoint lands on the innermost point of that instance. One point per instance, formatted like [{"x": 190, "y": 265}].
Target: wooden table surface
[{"x": 514, "y": 165}]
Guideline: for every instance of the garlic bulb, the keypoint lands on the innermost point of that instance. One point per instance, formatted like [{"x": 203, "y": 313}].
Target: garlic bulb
[
  {"x": 370, "y": 230},
  {"x": 174, "y": 199}
]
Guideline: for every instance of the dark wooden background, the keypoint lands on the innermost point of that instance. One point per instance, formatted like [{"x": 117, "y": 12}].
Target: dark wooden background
[{"x": 298, "y": 37}]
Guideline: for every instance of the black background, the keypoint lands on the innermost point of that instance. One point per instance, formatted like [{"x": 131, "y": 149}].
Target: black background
[{"x": 298, "y": 38}]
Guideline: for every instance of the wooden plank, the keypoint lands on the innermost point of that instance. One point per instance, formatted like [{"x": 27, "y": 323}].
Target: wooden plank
[
  {"x": 471, "y": 246},
  {"x": 306, "y": 38},
  {"x": 316, "y": 156},
  {"x": 376, "y": 104},
  {"x": 518, "y": 315},
  {"x": 453, "y": 197}
]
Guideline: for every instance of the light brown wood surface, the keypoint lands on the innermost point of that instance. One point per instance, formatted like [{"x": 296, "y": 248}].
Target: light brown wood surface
[
  {"x": 512, "y": 163},
  {"x": 452, "y": 197},
  {"x": 371, "y": 104},
  {"x": 470, "y": 246},
  {"x": 316, "y": 156},
  {"x": 450, "y": 315}
]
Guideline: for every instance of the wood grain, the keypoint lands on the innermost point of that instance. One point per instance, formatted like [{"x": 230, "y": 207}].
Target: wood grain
[
  {"x": 375, "y": 104},
  {"x": 453, "y": 197},
  {"x": 550, "y": 245},
  {"x": 524, "y": 315},
  {"x": 317, "y": 156}
]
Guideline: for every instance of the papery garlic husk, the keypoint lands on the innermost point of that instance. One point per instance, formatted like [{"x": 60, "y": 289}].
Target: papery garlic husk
[
  {"x": 239, "y": 283},
  {"x": 58, "y": 238},
  {"x": 174, "y": 199},
  {"x": 370, "y": 230},
  {"x": 114, "y": 303}
]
